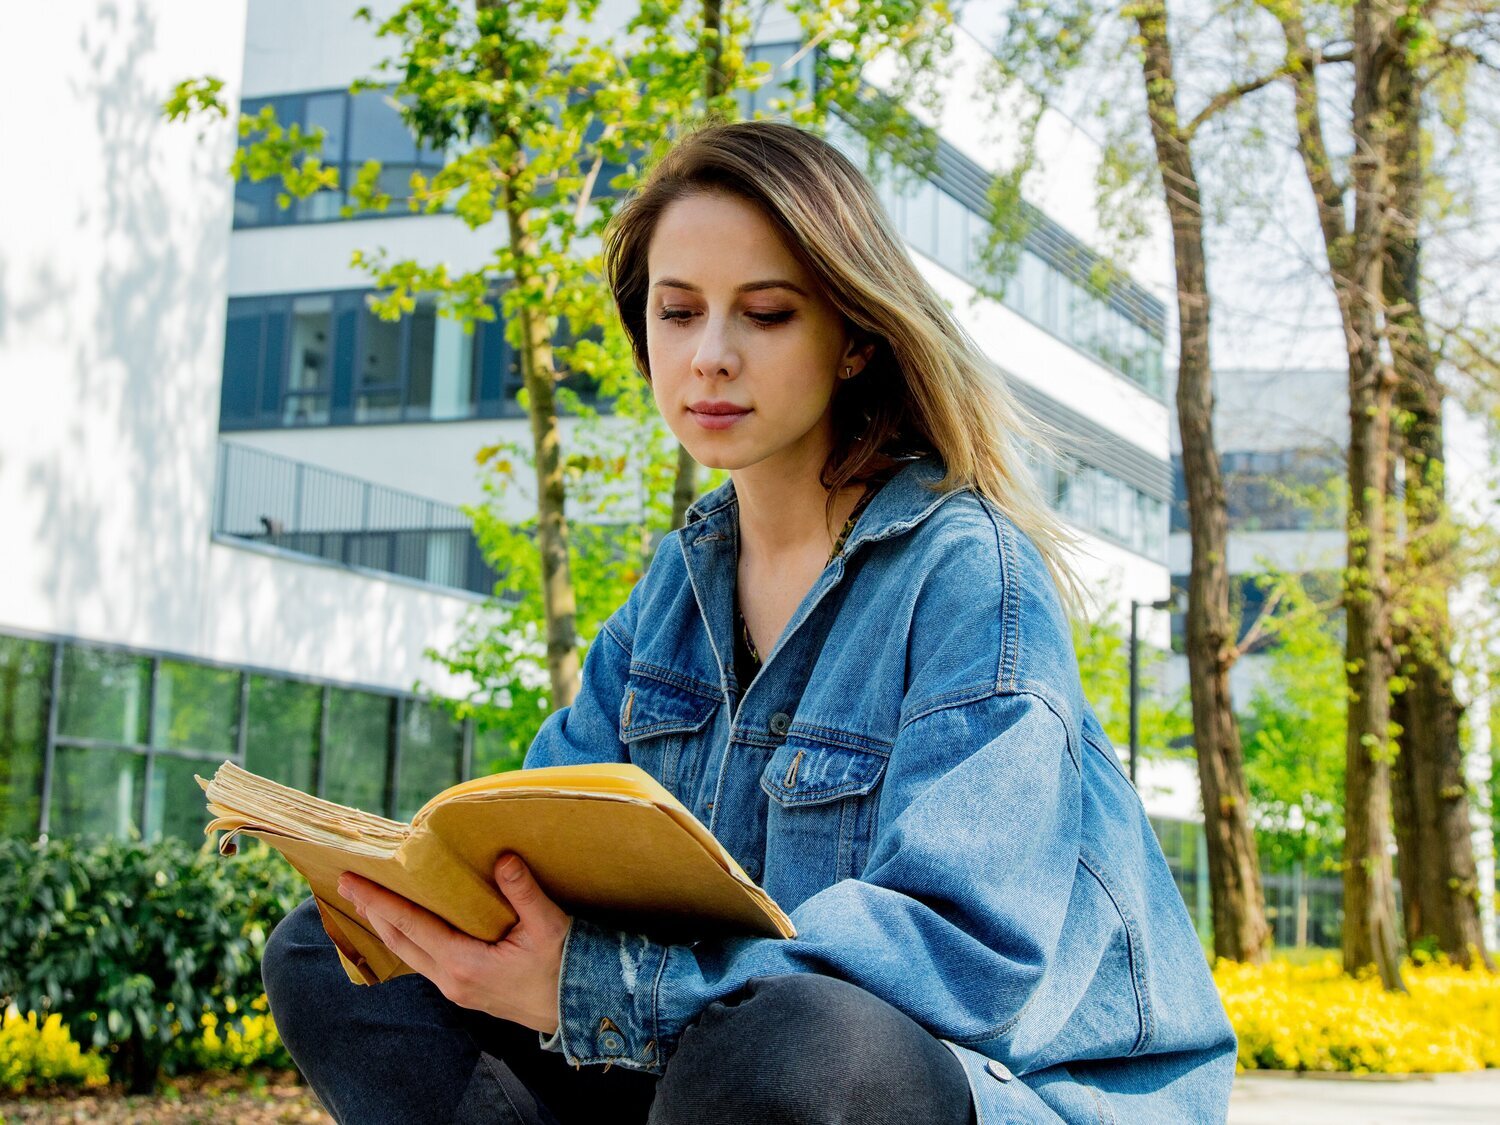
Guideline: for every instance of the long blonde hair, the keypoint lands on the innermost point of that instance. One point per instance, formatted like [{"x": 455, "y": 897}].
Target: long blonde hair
[{"x": 928, "y": 388}]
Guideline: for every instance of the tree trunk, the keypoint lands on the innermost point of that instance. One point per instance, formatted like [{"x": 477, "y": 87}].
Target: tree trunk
[
  {"x": 685, "y": 487},
  {"x": 539, "y": 377},
  {"x": 1369, "y": 898},
  {"x": 559, "y": 604},
  {"x": 1439, "y": 879},
  {"x": 1238, "y": 904},
  {"x": 1354, "y": 260}
]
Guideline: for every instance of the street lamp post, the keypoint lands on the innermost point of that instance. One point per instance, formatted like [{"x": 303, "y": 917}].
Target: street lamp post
[{"x": 1135, "y": 676}]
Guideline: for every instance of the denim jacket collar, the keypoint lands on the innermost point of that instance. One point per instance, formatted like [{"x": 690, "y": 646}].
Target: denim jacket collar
[{"x": 903, "y": 503}]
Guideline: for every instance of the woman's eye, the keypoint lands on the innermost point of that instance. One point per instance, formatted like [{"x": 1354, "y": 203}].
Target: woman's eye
[{"x": 765, "y": 320}]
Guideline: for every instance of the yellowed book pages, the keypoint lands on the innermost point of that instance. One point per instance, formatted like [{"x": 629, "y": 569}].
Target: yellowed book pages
[{"x": 604, "y": 840}]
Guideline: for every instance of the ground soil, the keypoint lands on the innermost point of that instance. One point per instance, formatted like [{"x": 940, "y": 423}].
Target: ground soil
[{"x": 258, "y": 1098}]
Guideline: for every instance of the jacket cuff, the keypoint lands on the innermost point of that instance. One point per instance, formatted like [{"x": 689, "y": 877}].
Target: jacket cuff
[{"x": 607, "y": 998}]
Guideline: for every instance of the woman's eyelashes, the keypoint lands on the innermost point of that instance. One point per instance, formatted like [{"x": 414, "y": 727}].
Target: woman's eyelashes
[{"x": 763, "y": 319}]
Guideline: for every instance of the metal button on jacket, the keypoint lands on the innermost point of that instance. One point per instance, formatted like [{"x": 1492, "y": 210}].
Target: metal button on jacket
[
  {"x": 999, "y": 1070},
  {"x": 781, "y": 722}
]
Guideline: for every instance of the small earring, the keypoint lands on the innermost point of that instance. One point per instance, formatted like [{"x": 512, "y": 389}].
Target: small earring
[{"x": 849, "y": 372}]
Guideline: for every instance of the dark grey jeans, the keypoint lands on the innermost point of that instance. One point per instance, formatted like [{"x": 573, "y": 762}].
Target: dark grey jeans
[{"x": 802, "y": 1048}]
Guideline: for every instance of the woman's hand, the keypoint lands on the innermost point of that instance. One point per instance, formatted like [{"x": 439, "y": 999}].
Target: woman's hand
[{"x": 514, "y": 978}]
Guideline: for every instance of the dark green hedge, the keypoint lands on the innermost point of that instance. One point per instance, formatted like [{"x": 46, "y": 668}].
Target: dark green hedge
[{"x": 131, "y": 943}]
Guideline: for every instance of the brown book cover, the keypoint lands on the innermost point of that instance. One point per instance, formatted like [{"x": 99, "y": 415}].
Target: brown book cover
[{"x": 603, "y": 840}]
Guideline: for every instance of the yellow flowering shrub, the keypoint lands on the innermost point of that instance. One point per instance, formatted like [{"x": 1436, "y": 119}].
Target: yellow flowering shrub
[
  {"x": 1313, "y": 1017},
  {"x": 248, "y": 1041},
  {"x": 36, "y": 1055}
]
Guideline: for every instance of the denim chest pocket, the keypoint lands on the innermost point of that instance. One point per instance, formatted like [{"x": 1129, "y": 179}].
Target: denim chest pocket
[
  {"x": 821, "y": 818},
  {"x": 659, "y": 724}
]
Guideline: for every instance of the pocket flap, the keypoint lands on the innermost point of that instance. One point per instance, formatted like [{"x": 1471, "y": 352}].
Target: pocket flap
[
  {"x": 807, "y": 772},
  {"x": 654, "y": 707}
]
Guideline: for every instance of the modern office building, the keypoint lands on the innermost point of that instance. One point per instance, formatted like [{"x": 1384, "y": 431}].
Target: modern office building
[{"x": 231, "y": 493}]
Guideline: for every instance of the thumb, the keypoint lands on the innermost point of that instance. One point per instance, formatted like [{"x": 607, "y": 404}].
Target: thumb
[{"x": 533, "y": 908}]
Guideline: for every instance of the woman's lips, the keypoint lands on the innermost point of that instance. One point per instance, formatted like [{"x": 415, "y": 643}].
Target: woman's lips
[{"x": 720, "y": 420}]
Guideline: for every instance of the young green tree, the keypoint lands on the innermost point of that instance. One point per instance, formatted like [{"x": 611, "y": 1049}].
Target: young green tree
[
  {"x": 529, "y": 110},
  {"x": 1293, "y": 727}
]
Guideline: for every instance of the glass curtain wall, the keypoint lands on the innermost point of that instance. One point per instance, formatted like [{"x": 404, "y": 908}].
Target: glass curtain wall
[{"x": 98, "y": 741}]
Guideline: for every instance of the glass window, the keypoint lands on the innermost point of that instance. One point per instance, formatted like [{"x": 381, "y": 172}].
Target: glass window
[
  {"x": 326, "y": 112},
  {"x": 242, "y": 362},
  {"x": 952, "y": 233},
  {"x": 104, "y": 695},
  {"x": 377, "y": 131},
  {"x": 421, "y": 342},
  {"x": 379, "y": 369},
  {"x": 25, "y": 675},
  {"x": 282, "y": 740},
  {"x": 177, "y": 807},
  {"x": 354, "y": 770},
  {"x": 310, "y": 377},
  {"x": 453, "y": 385},
  {"x": 97, "y": 792},
  {"x": 919, "y": 223},
  {"x": 197, "y": 708},
  {"x": 432, "y": 747}
]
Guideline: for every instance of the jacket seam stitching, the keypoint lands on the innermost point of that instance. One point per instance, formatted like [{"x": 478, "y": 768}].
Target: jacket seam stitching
[
  {"x": 1107, "y": 752},
  {"x": 661, "y": 971},
  {"x": 1010, "y": 610},
  {"x": 844, "y": 740},
  {"x": 642, "y": 669},
  {"x": 1132, "y": 953},
  {"x": 987, "y": 690},
  {"x": 612, "y": 632}
]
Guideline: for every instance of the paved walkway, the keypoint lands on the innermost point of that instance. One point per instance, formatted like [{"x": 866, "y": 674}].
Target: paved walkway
[{"x": 1260, "y": 1100}]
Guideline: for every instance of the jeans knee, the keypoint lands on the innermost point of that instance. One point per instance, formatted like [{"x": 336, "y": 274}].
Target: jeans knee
[
  {"x": 805, "y": 1047},
  {"x": 294, "y": 966}
]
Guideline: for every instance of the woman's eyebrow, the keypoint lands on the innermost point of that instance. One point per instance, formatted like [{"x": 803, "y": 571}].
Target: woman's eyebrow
[{"x": 748, "y": 287}]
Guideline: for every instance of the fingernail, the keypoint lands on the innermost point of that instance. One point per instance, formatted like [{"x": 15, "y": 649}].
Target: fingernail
[
  {"x": 344, "y": 886},
  {"x": 510, "y": 867}
]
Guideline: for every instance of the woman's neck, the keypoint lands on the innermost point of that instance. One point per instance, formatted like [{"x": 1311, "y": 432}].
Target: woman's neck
[{"x": 784, "y": 515}]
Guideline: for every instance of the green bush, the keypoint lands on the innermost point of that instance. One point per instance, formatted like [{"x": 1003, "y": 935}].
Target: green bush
[{"x": 132, "y": 943}]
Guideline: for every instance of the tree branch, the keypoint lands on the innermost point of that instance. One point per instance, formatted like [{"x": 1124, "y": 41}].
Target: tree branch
[{"x": 1227, "y": 97}]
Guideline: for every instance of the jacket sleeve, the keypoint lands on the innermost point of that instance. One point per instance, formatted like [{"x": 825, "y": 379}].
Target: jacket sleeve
[{"x": 954, "y": 920}]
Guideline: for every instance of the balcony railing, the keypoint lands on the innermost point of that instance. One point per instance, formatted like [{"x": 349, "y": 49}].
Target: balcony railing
[{"x": 278, "y": 502}]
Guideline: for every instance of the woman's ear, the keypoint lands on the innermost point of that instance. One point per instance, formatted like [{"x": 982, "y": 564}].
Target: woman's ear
[{"x": 859, "y": 352}]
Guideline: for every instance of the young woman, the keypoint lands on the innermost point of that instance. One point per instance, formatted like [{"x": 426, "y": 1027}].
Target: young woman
[{"x": 853, "y": 664}]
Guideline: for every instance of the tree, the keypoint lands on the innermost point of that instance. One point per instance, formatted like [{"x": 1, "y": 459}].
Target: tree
[
  {"x": 1354, "y": 246},
  {"x": 1240, "y": 929},
  {"x": 1293, "y": 726},
  {"x": 1041, "y": 44},
  {"x": 1439, "y": 879}
]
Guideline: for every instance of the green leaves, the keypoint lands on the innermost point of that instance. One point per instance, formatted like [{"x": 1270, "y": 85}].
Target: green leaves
[
  {"x": 196, "y": 96},
  {"x": 129, "y": 943}
]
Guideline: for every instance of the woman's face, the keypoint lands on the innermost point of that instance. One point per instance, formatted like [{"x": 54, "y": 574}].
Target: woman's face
[{"x": 745, "y": 349}]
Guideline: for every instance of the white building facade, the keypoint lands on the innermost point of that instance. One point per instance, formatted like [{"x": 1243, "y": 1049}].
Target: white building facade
[{"x": 230, "y": 492}]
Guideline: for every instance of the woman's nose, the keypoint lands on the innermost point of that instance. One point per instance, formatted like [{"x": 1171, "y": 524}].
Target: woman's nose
[{"x": 716, "y": 353}]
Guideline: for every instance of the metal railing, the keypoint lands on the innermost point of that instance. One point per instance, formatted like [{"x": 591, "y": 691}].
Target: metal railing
[{"x": 278, "y": 502}]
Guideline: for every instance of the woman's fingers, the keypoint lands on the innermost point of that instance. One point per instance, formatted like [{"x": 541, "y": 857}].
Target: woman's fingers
[
  {"x": 415, "y": 935},
  {"x": 536, "y": 914}
]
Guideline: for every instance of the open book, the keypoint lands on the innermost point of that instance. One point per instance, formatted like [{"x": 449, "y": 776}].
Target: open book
[{"x": 605, "y": 840}]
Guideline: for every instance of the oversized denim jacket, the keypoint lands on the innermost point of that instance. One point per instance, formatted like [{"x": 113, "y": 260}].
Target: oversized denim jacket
[{"x": 915, "y": 776}]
